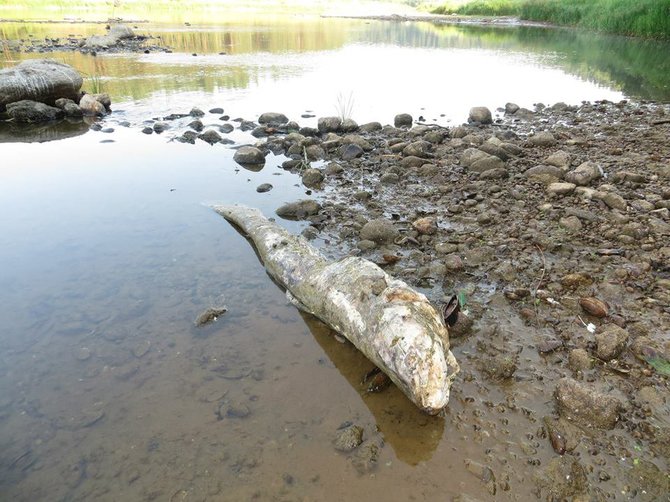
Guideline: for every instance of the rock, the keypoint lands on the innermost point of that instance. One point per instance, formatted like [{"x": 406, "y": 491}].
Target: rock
[
  {"x": 299, "y": 210},
  {"x": 349, "y": 438},
  {"x": 226, "y": 128},
  {"x": 613, "y": 201},
  {"x": 484, "y": 473},
  {"x": 73, "y": 110},
  {"x": 564, "y": 478},
  {"x": 147, "y": 130},
  {"x": 412, "y": 162},
  {"x": 403, "y": 120},
  {"x": 314, "y": 152},
  {"x": 488, "y": 163},
  {"x": 561, "y": 188},
  {"x": 480, "y": 114},
  {"x": 418, "y": 149},
  {"x": 160, "y": 127},
  {"x": 453, "y": 263},
  {"x": 116, "y": 33},
  {"x": 312, "y": 178},
  {"x": 544, "y": 174},
  {"x": 425, "y": 226},
  {"x": 389, "y": 178},
  {"x": 249, "y": 155},
  {"x": 579, "y": 360},
  {"x": 472, "y": 155},
  {"x": 354, "y": 139},
  {"x": 349, "y": 125},
  {"x": 380, "y": 231},
  {"x": 209, "y": 315},
  {"x": 232, "y": 409},
  {"x": 370, "y": 127},
  {"x": 216, "y": 111},
  {"x": 542, "y": 139},
  {"x": 32, "y": 112},
  {"x": 210, "y": 136},
  {"x": 511, "y": 108},
  {"x": 196, "y": 125},
  {"x": 576, "y": 280},
  {"x": 42, "y": 80},
  {"x": 559, "y": 159},
  {"x": 500, "y": 367},
  {"x": 594, "y": 306},
  {"x": 571, "y": 223},
  {"x": 264, "y": 187},
  {"x": 610, "y": 342},
  {"x": 350, "y": 152},
  {"x": 366, "y": 456},
  {"x": 273, "y": 118},
  {"x": 584, "y": 405},
  {"x": 584, "y": 174},
  {"x": 329, "y": 124},
  {"x": 91, "y": 106},
  {"x": 196, "y": 112}
]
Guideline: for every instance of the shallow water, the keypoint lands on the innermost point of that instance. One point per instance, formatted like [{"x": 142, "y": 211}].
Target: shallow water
[{"x": 109, "y": 252}]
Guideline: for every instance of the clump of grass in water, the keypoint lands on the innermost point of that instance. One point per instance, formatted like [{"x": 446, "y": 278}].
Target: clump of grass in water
[
  {"x": 94, "y": 83},
  {"x": 344, "y": 105}
]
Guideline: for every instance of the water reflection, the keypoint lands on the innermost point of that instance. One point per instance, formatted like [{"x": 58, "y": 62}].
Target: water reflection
[
  {"x": 11, "y": 132},
  {"x": 413, "y": 435},
  {"x": 297, "y": 63}
]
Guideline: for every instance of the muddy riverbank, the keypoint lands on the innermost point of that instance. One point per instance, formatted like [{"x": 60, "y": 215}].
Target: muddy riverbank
[{"x": 552, "y": 226}]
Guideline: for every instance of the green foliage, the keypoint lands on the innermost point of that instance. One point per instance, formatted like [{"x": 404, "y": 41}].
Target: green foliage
[
  {"x": 646, "y": 18},
  {"x": 481, "y": 8}
]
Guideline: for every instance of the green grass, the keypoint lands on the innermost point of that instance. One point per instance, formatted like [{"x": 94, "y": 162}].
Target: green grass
[{"x": 645, "y": 18}]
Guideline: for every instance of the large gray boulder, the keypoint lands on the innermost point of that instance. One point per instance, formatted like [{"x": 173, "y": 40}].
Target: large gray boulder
[
  {"x": 33, "y": 112},
  {"x": 116, "y": 33},
  {"x": 43, "y": 80}
]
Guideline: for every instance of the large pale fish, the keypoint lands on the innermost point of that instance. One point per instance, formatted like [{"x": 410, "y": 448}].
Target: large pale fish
[{"x": 395, "y": 326}]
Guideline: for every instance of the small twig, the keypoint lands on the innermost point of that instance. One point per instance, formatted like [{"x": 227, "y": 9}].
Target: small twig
[
  {"x": 537, "y": 287},
  {"x": 659, "y": 122}
]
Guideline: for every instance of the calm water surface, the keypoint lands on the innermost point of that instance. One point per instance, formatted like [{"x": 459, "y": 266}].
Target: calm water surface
[{"x": 108, "y": 252}]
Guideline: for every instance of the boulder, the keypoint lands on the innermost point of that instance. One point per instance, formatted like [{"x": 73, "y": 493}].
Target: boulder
[
  {"x": 542, "y": 139},
  {"x": 299, "y": 210},
  {"x": 91, "y": 106},
  {"x": 329, "y": 124},
  {"x": 312, "y": 178},
  {"x": 583, "y": 404},
  {"x": 611, "y": 342},
  {"x": 210, "y": 136},
  {"x": 480, "y": 114},
  {"x": 544, "y": 174},
  {"x": 116, "y": 33},
  {"x": 273, "y": 118},
  {"x": 43, "y": 80},
  {"x": 31, "y": 112},
  {"x": 380, "y": 231},
  {"x": 584, "y": 174},
  {"x": 402, "y": 120},
  {"x": 249, "y": 155}
]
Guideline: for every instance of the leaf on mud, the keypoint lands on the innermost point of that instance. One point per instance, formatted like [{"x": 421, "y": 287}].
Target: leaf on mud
[
  {"x": 659, "y": 364},
  {"x": 461, "y": 298}
]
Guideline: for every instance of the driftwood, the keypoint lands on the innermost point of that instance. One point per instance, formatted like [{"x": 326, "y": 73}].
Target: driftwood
[{"x": 391, "y": 324}]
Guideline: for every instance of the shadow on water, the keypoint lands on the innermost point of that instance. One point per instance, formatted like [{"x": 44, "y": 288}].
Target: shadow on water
[
  {"x": 413, "y": 435},
  {"x": 12, "y": 132}
]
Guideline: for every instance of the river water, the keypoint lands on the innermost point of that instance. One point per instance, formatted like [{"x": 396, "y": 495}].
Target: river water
[{"x": 109, "y": 251}]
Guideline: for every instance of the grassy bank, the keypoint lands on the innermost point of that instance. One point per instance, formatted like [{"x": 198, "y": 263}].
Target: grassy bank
[{"x": 645, "y": 18}]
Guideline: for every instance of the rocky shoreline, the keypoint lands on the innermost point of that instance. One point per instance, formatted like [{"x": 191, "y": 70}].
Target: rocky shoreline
[
  {"x": 551, "y": 226},
  {"x": 117, "y": 38}
]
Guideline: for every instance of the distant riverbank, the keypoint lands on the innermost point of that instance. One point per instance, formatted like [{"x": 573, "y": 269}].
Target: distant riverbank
[{"x": 642, "y": 18}]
